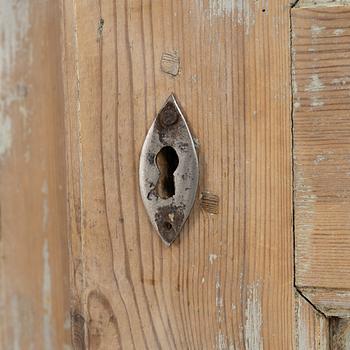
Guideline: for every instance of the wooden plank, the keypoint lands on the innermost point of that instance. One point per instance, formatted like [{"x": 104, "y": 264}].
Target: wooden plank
[
  {"x": 321, "y": 63},
  {"x": 321, "y": 3},
  {"x": 312, "y": 326},
  {"x": 34, "y": 301},
  {"x": 331, "y": 302},
  {"x": 227, "y": 282}
]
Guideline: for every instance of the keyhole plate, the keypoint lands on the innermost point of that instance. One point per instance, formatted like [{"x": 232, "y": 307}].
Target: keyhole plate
[{"x": 168, "y": 171}]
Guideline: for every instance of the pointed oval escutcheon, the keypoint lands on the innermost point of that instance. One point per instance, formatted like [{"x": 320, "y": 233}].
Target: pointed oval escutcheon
[{"x": 168, "y": 171}]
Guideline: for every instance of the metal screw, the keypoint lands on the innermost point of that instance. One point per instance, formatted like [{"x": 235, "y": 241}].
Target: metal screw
[{"x": 169, "y": 115}]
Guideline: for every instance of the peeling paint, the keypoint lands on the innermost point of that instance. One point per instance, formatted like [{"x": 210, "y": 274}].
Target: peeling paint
[
  {"x": 319, "y": 159},
  {"x": 44, "y": 191},
  {"x": 316, "y": 30},
  {"x": 339, "y": 31},
  {"x": 221, "y": 343},
  {"x": 252, "y": 334},
  {"x": 5, "y": 134},
  {"x": 14, "y": 27},
  {"x": 46, "y": 295},
  {"x": 315, "y": 84},
  {"x": 340, "y": 82},
  {"x": 219, "y": 301},
  {"x": 220, "y": 8},
  {"x": 302, "y": 329},
  {"x": 245, "y": 14},
  {"x": 212, "y": 258},
  {"x": 315, "y": 102}
]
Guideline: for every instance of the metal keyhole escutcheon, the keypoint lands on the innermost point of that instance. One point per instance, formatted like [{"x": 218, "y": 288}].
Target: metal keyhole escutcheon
[{"x": 168, "y": 171}]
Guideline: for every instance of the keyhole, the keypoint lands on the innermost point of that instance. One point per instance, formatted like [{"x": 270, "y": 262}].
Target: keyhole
[{"x": 167, "y": 162}]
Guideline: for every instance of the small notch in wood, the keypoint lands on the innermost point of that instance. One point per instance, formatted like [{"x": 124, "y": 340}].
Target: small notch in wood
[
  {"x": 170, "y": 63},
  {"x": 209, "y": 202}
]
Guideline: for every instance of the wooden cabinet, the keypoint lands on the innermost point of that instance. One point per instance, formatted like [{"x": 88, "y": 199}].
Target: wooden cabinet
[{"x": 80, "y": 264}]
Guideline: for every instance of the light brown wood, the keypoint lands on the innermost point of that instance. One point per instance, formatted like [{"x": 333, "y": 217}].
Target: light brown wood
[
  {"x": 227, "y": 283},
  {"x": 321, "y": 63},
  {"x": 34, "y": 302},
  {"x": 312, "y": 327},
  {"x": 331, "y": 302},
  {"x": 321, "y": 3}
]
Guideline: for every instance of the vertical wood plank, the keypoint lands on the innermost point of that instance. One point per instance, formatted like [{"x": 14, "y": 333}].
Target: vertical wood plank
[
  {"x": 312, "y": 327},
  {"x": 227, "y": 283},
  {"x": 34, "y": 302}
]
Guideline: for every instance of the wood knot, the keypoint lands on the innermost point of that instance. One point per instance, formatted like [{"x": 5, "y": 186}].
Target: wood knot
[
  {"x": 78, "y": 331},
  {"x": 209, "y": 202},
  {"x": 170, "y": 63}
]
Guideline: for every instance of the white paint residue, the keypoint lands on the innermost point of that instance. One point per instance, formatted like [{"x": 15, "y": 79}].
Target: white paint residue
[
  {"x": 241, "y": 9},
  {"x": 315, "y": 84},
  {"x": 296, "y": 104},
  {"x": 316, "y": 30},
  {"x": 315, "y": 102},
  {"x": 67, "y": 322},
  {"x": 221, "y": 343},
  {"x": 252, "y": 334},
  {"x": 219, "y": 301},
  {"x": 340, "y": 82},
  {"x": 44, "y": 191},
  {"x": 45, "y": 188},
  {"x": 339, "y": 31},
  {"x": 302, "y": 334},
  {"x": 212, "y": 258},
  {"x": 220, "y": 8},
  {"x": 320, "y": 158},
  {"x": 46, "y": 295},
  {"x": 218, "y": 298},
  {"x": 5, "y": 134},
  {"x": 14, "y": 26},
  {"x": 16, "y": 323}
]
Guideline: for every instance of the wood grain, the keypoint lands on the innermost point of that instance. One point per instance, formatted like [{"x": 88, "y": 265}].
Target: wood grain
[
  {"x": 321, "y": 63},
  {"x": 321, "y": 3},
  {"x": 340, "y": 334},
  {"x": 34, "y": 291},
  {"x": 312, "y": 326},
  {"x": 227, "y": 283}
]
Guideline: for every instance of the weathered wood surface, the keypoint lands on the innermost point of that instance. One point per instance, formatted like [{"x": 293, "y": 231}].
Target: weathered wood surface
[
  {"x": 312, "y": 332},
  {"x": 34, "y": 303},
  {"x": 227, "y": 283},
  {"x": 339, "y": 334},
  {"x": 321, "y": 65},
  {"x": 320, "y": 3}
]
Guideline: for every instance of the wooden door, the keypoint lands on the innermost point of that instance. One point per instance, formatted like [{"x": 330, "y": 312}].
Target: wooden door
[{"x": 81, "y": 266}]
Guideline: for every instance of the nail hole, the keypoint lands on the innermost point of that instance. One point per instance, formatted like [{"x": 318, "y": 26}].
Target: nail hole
[{"x": 167, "y": 161}]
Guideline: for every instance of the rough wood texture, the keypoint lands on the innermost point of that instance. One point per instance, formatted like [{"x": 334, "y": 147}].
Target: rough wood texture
[
  {"x": 332, "y": 302},
  {"x": 312, "y": 327},
  {"x": 321, "y": 64},
  {"x": 34, "y": 310},
  {"x": 340, "y": 334},
  {"x": 227, "y": 282},
  {"x": 317, "y": 3}
]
